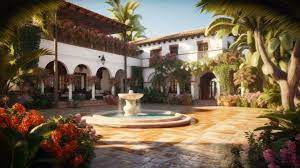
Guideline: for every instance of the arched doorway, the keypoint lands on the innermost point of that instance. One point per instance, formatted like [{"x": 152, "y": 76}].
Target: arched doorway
[
  {"x": 62, "y": 74},
  {"x": 81, "y": 73},
  {"x": 120, "y": 80},
  {"x": 102, "y": 81},
  {"x": 208, "y": 86}
]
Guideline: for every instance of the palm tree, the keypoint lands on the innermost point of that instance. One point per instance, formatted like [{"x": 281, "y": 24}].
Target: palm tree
[
  {"x": 16, "y": 13},
  {"x": 258, "y": 18},
  {"x": 12, "y": 68},
  {"x": 126, "y": 15}
]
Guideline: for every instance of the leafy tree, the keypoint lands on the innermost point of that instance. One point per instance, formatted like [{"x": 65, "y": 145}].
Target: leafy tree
[
  {"x": 126, "y": 15},
  {"x": 270, "y": 24},
  {"x": 167, "y": 69}
]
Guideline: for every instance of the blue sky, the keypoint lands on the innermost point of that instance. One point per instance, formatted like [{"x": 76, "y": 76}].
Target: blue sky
[{"x": 160, "y": 17}]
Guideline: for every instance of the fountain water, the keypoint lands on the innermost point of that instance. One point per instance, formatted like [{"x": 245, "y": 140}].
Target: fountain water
[{"x": 134, "y": 117}]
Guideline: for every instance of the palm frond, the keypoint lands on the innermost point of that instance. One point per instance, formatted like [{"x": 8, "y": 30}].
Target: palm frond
[{"x": 20, "y": 12}]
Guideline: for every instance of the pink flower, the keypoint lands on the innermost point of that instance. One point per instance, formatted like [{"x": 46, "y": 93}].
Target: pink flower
[
  {"x": 284, "y": 155},
  {"x": 77, "y": 117},
  {"x": 269, "y": 155},
  {"x": 273, "y": 165},
  {"x": 291, "y": 146},
  {"x": 297, "y": 137}
]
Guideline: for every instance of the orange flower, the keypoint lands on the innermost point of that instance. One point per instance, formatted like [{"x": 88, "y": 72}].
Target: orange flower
[
  {"x": 56, "y": 136},
  {"x": 70, "y": 147},
  {"x": 36, "y": 117},
  {"x": 19, "y": 108},
  {"x": 57, "y": 151},
  {"x": 14, "y": 122},
  {"x": 2, "y": 110},
  {"x": 77, "y": 160},
  {"x": 4, "y": 120},
  {"x": 69, "y": 130}
]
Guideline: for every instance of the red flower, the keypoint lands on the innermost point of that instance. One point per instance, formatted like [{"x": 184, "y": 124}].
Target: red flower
[
  {"x": 36, "y": 118},
  {"x": 4, "y": 120},
  {"x": 77, "y": 160},
  {"x": 19, "y": 108},
  {"x": 57, "y": 151},
  {"x": 70, "y": 147},
  {"x": 69, "y": 130},
  {"x": 14, "y": 122},
  {"x": 25, "y": 124},
  {"x": 56, "y": 136},
  {"x": 2, "y": 110},
  {"x": 46, "y": 146}
]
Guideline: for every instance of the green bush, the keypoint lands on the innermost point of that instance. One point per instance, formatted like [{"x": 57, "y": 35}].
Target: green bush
[{"x": 153, "y": 96}]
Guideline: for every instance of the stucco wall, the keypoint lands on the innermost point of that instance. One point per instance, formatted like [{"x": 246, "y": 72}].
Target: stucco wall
[
  {"x": 187, "y": 50},
  {"x": 71, "y": 56}
]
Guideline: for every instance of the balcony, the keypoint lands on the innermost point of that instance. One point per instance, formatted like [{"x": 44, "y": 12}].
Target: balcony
[{"x": 98, "y": 41}]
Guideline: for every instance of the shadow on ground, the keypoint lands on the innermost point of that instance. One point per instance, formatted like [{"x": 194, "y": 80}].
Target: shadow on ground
[{"x": 154, "y": 154}]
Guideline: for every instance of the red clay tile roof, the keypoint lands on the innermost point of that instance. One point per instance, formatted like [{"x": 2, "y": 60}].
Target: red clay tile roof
[{"x": 180, "y": 35}]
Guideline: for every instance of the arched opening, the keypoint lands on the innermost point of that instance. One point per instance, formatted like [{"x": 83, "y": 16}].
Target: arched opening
[
  {"x": 120, "y": 80},
  {"x": 208, "y": 86},
  {"x": 103, "y": 84},
  {"x": 62, "y": 74},
  {"x": 81, "y": 74}
]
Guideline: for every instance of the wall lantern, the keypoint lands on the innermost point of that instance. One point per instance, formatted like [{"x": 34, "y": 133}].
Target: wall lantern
[{"x": 102, "y": 59}]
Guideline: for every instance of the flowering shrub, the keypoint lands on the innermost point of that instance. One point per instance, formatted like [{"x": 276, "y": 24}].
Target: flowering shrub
[
  {"x": 155, "y": 60},
  {"x": 19, "y": 120},
  {"x": 252, "y": 98},
  {"x": 71, "y": 142},
  {"x": 229, "y": 100},
  {"x": 248, "y": 99},
  {"x": 287, "y": 155},
  {"x": 183, "y": 99},
  {"x": 28, "y": 140},
  {"x": 111, "y": 100}
]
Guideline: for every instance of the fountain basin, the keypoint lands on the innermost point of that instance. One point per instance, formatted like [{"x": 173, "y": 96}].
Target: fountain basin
[{"x": 145, "y": 119}]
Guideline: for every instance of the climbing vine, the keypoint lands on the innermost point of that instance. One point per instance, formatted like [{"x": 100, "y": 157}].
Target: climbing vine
[
  {"x": 168, "y": 68},
  {"x": 224, "y": 67}
]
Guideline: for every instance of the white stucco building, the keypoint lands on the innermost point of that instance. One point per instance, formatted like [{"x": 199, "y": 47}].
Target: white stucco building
[
  {"x": 188, "y": 46},
  {"x": 91, "y": 60}
]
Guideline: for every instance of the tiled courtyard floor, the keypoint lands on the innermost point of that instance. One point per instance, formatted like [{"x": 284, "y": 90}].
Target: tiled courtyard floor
[{"x": 205, "y": 143}]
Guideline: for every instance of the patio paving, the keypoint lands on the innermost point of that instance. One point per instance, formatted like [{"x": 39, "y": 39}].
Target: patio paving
[{"x": 205, "y": 143}]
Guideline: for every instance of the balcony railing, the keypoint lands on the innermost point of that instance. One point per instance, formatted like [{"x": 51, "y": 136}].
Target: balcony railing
[{"x": 99, "y": 42}]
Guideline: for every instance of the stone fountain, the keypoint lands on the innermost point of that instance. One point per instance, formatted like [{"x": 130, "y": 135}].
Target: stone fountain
[
  {"x": 131, "y": 116},
  {"x": 130, "y": 98}
]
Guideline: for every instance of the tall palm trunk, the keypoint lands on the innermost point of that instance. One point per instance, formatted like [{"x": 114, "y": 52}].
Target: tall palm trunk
[{"x": 288, "y": 82}]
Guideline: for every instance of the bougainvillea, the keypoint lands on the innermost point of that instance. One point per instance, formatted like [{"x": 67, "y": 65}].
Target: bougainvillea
[
  {"x": 28, "y": 138},
  {"x": 286, "y": 157}
]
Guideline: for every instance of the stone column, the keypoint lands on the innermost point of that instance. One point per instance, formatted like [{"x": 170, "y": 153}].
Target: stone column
[
  {"x": 93, "y": 91},
  {"x": 82, "y": 82},
  {"x": 42, "y": 88},
  {"x": 70, "y": 92},
  {"x": 178, "y": 88},
  {"x": 113, "y": 90},
  {"x": 193, "y": 85}
]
